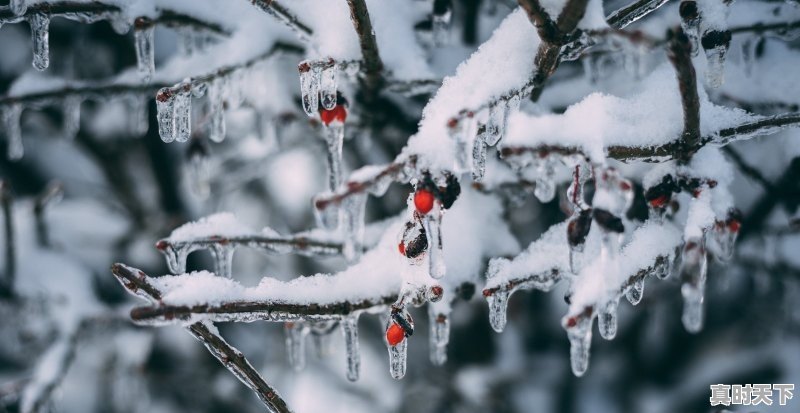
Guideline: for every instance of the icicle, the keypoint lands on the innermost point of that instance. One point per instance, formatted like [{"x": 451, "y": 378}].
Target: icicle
[
  {"x": 432, "y": 222},
  {"x": 498, "y": 306},
  {"x": 496, "y": 123},
  {"x": 296, "y": 333},
  {"x": 321, "y": 332},
  {"x": 607, "y": 319},
  {"x": 723, "y": 236},
  {"x": 479, "y": 154},
  {"x": 176, "y": 258},
  {"x": 309, "y": 87},
  {"x": 216, "y": 109},
  {"x": 693, "y": 277},
  {"x": 353, "y": 209},
  {"x": 223, "y": 259},
  {"x": 18, "y": 7},
  {"x": 183, "y": 116},
  {"x": 165, "y": 106},
  {"x": 40, "y": 31},
  {"x": 327, "y": 85},
  {"x": 11, "y": 123},
  {"x": 545, "y": 189},
  {"x": 439, "y": 335},
  {"x": 139, "y": 122},
  {"x": 199, "y": 175},
  {"x": 145, "y": 53},
  {"x": 635, "y": 291},
  {"x": 399, "y": 326},
  {"x": 457, "y": 130},
  {"x": 334, "y": 138},
  {"x": 72, "y": 116},
  {"x": 716, "y": 43},
  {"x": 441, "y": 28},
  {"x": 749, "y": 49},
  {"x": 579, "y": 332},
  {"x": 327, "y": 217},
  {"x": 350, "y": 330}
]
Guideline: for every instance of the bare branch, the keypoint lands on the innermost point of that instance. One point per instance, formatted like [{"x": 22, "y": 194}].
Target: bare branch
[
  {"x": 300, "y": 244},
  {"x": 90, "y": 91},
  {"x": 679, "y": 52},
  {"x": 633, "y": 12},
  {"x": 51, "y": 194},
  {"x": 373, "y": 66},
  {"x": 391, "y": 172}
]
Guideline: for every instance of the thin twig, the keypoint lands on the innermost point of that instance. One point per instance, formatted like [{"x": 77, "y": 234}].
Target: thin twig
[
  {"x": 300, "y": 244},
  {"x": 52, "y": 193},
  {"x": 373, "y": 66},
  {"x": 278, "y": 11}
]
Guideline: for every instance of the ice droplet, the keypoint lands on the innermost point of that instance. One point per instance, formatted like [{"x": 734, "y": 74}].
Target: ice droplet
[
  {"x": 580, "y": 342},
  {"x": 13, "y": 130},
  {"x": 433, "y": 230},
  {"x": 545, "y": 189},
  {"x": 176, "y": 258},
  {"x": 40, "y": 32},
  {"x": 327, "y": 85},
  {"x": 216, "y": 110},
  {"x": 182, "y": 116},
  {"x": 18, "y": 7},
  {"x": 607, "y": 319},
  {"x": 334, "y": 138},
  {"x": 165, "y": 107},
  {"x": 309, "y": 87},
  {"x": 350, "y": 330},
  {"x": 353, "y": 209},
  {"x": 223, "y": 259},
  {"x": 498, "y": 306},
  {"x": 72, "y": 116},
  {"x": 635, "y": 292},
  {"x": 439, "y": 335},
  {"x": 693, "y": 278},
  {"x": 145, "y": 53},
  {"x": 296, "y": 333},
  {"x": 199, "y": 175}
]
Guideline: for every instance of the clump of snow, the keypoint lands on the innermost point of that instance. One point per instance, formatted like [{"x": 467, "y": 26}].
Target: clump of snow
[
  {"x": 223, "y": 224},
  {"x": 651, "y": 117}
]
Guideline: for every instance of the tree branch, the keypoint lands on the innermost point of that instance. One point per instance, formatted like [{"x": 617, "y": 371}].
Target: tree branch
[
  {"x": 679, "y": 52},
  {"x": 138, "y": 283},
  {"x": 391, "y": 172},
  {"x": 373, "y": 66},
  {"x": 278, "y": 11},
  {"x": 7, "y": 284}
]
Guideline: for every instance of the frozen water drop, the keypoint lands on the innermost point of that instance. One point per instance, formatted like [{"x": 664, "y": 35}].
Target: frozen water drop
[
  {"x": 13, "y": 131},
  {"x": 309, "y": 87},
  {"x": 350, "y": 330},
  {"x": 479, "y": 155},
  {"x": 216, "y": 110},
  {"x": 607, "y": 319},
  {"x": 694, "y": 265},
  {"x": 334, "y": 138},
  {"x": 223, "y": 259},
  {"x": 498, "y": 306},
  {"x": 165, "y": 107},
  {"x": 40, "y": 32},
  {"x": 439, "y": 335},
  {"x": 176, "y": 258},
  {"x": 353, "y": 209},
  {"x": 145, "y": 52},
  {"x": 635, "y": 292},
  {"x": 716, "y": 66},
  {"x": 138, "y": 120},
  {"x": 545, "y": 189},
  {"x": 327, "y": 86},
  {"x": 433, "y": 230},
  {"x": 183, "y": 116},
  {"x": 580, "y": 341}
]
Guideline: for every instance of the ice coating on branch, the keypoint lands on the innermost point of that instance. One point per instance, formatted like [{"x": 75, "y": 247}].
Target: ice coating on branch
[
  {"x": 182, "y": 116},
  {"x": 650, "y": 116},
  {"x": 350, "y": 331},
  {"x": 13, "y": 131},
  {"x": 309, "y": 87},
  {"x": 40, "y": 34},
  {"x": 165, "y": 108},
  {"x": 328, "y": 86},
  {"x": 223, "y": 224},
  {"x": 145, "y": 52}
]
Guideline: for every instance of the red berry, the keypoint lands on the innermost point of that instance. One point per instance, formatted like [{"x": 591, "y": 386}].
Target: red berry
[
  {"x": 423, "y": 200},
  {"x": 395, "y": 334},
  {"x": 337, "y": 114},
  {"x": 402, "y": 248},
  {"x": 659, "y": 202},
  {"x": 734, "y": 225},
  {"x": 572, "y": 322}
]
